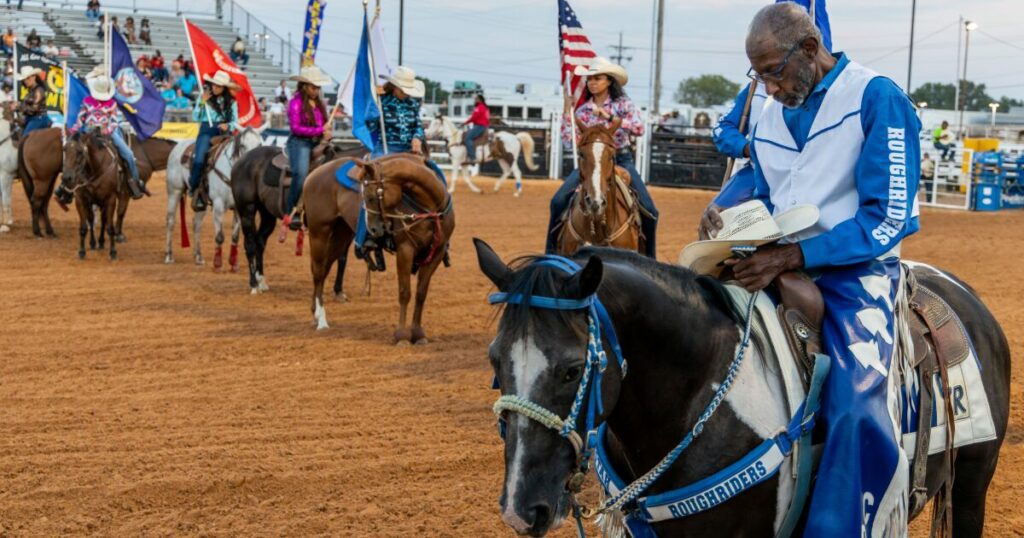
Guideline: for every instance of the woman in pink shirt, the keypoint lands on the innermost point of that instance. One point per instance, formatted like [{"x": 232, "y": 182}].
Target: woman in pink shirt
[
  {"x": 480, "y": 120},
  {"x": 307, "y": 116}
]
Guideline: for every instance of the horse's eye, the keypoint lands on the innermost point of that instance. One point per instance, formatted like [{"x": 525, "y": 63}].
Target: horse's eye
[{"x": 573, "y": 374}]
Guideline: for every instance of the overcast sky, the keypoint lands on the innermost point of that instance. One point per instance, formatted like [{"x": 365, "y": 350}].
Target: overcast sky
[{"x": 502, "y": 42}]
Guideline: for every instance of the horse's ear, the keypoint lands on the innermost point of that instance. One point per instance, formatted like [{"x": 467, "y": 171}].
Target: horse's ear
[
  {"x": 585, "y": 282},
  {"x": 491, "y": 264},
  {"x": 358, "y": 171}
]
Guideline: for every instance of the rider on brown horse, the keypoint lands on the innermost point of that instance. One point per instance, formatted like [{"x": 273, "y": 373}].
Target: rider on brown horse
[
  {"x": 33, "y": 106},
  {"x": 217, "y": 114},
  {"x": 400, "y": 107},
  {"x": 605, "y": 104},
  {"x": 307, "y": 116},
  {"x": 99, "y": 112}
]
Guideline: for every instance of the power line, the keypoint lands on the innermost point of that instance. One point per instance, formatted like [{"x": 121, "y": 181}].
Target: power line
[
  {"x": 1003, "y": 41},
  {"x": 905, "y": 47},
  {"x": 618, "y": 57}
]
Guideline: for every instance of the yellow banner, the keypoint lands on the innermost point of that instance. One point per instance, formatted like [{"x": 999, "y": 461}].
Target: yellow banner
[{"x": 178, "y": 130}]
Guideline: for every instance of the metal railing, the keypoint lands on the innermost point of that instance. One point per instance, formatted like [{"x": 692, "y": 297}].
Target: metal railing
[{"x": 132, "y": 6}]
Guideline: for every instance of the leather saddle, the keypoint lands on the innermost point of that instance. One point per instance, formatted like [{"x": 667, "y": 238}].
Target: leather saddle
[
  {"x": 216, "y": 145},
  {"x": 279, "y": 173}
]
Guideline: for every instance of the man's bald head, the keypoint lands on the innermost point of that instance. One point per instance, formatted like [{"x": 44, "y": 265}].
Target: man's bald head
[{"x": 779, "y": 27}]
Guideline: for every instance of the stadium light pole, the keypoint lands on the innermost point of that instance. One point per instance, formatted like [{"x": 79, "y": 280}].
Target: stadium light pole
[
  {"x": 910, "y": 57},
  {"x": 968, "y": 26},
  {"x": 921, "y": 106}
]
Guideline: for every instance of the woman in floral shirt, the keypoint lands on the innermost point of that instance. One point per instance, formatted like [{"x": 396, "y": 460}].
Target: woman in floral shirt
[
  {"x": 99, "y": 112},
  {"x": 605, "y": 103}
]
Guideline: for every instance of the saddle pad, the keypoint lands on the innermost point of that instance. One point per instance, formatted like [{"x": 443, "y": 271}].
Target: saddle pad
[
  {"x": 342, "y": 176},
  {"x": 273, "y": 175}
]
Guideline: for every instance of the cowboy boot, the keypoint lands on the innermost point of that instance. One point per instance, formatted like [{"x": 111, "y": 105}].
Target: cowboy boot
[
  {"x": 295, "y": 224},
  {"x": 134, "y": 186}
]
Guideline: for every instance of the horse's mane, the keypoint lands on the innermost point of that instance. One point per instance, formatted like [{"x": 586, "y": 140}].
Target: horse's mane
[{"x": 593, "y": 132}]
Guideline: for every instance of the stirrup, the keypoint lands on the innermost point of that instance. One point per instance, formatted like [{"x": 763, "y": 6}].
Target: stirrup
[{"x": 295, "y": 223}]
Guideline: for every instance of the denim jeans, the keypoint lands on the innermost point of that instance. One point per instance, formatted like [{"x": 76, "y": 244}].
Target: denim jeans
[
  {"x": 126, "y": 153},
  {"x": 299, "y": 149},
  {"x": 42, "y": 121},
  {"x": 946, "y": 149},
  {"x": 560, "y": 202},
  {"x": 206, "y": 134},
  {"x": 470, "y": 136}
]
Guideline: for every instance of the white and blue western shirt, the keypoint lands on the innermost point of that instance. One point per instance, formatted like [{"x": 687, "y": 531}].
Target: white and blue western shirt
[{"x": 852, "y": 150}]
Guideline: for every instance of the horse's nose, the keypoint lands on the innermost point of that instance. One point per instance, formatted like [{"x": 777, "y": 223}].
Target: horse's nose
[{"x": 534, "y": 521}]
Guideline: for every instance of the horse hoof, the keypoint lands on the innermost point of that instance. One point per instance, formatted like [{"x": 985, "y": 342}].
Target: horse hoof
[
  {"x": 402, "y": 343},
  {"x": 168, "y": 259},
  {"x": 81, "y": 254},
  {"x": 4, "y": 228},
  {"x": 421, "y": 342},
  {"x": 199, "y": 261},
  {"x": 234, "y": 268},
  {"x": 113, "y": 256},
  {"x": 340, "y": 298},
  {"x": 121, "y": 238},
  {"x": 517, "y": 194},
  {"x": 254, "y": 291}
]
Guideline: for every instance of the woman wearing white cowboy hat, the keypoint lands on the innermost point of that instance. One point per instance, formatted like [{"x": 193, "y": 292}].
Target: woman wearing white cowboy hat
[
  {"x": 217, "y": 114},
  {"x": 400, "y": 100},
  {"x": 307, "y": 118},
  {"x": 605, "y": 103},
  {"x": 99, "y": 112},
  {"x": 33, "y": 106}
]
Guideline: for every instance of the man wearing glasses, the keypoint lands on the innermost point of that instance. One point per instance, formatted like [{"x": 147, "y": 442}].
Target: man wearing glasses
[{"x": 839, "y": 136}]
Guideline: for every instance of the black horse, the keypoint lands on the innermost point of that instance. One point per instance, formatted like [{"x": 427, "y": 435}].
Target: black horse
[
  {"x": 255, "y": 184},
  {"x": 679, "y": 332}
]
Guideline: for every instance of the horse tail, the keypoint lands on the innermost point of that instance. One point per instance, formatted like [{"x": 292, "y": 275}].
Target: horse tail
[{"x": 527, "y": 142}]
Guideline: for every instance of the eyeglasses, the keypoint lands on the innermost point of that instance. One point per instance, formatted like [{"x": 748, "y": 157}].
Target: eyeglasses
[{"x": 776, "y": 74}]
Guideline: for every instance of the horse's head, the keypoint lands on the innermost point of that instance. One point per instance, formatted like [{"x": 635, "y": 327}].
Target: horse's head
[
  {"x": 597, "y": 166},
  {"x": 434, "y": 129},
  {"x": 78, "y": 167},
  {"x": 379, "y": 196},
  {"x": 248, "y": 140},
  {"x": 539, "y": 357}
]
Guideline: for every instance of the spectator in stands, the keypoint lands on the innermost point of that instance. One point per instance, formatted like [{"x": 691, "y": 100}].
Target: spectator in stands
[
  {"x": 8, "y": 72},
  {"x": 142, "y": 64},
  {"x": 175, "y": 73},
  {"x": 943, "y": 141},
  {"x": 927, "y": 174},
  {"x": 282, "y": 91},
  {"x": 34, "y": 42},
  {"x": 278, "y": 106},
  {"x": 129, "y": 30},
  {"x": 8, "y": 41},
  {"x": 50, "y": 49},
  {"x": 144, "y": 33},
  {"x": 187, "y": 83},
  {"x": 174, "y": 98},
  {"x": 6, "y": 93},
  {"x": 238, "y": 52},
  {"x": 92, "y": 11},
  {"x": 156, "y": 63},
  {"x": 20, "y": 2},
  {"x": 115, "y": 25}
]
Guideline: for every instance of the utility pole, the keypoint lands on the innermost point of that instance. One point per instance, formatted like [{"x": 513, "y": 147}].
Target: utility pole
[
  {"x": 619, "y": 57},
  {"x": 956, "y": 74},
  {"x": 657, "y": 64},
  {"x": 910, "y": 58},
  {"x": 401, "y": 28}
]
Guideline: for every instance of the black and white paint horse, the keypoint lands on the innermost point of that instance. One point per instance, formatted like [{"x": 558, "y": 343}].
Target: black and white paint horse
[{"x": 678, "y": 332}]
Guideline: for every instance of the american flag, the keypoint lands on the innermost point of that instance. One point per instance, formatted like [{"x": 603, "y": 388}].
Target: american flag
[{"x": 574, "y": 47}]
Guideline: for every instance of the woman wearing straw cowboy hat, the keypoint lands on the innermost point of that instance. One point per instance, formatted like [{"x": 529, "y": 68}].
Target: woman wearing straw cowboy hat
[
  {"x": 33, "y": 106},
  {"x": 605, "y": 103},
  {"x": 400, "y": 100},
  {"x": 99, "y": 111},
  {"x": 307, "y": 116},
  {"x": 217, "y": 114}
]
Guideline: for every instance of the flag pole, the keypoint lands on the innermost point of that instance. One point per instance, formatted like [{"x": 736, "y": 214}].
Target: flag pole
[
  {"x": 64, "y": 107},
  {"x": 373, "y": 80},
  {"x": 572, "y": 120},
  {"x": 744, "y": 118},
  {"x": 195, "y": 67}
]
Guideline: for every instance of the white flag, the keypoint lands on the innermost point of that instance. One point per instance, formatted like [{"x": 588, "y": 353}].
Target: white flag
[{"x": 381, "y": 63}]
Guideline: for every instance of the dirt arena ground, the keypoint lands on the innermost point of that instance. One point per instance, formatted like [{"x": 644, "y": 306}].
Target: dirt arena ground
[{"x": 140, "y": 399}]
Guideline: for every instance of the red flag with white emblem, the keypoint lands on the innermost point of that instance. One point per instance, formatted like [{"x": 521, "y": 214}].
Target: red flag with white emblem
[{"x": 208, "y": 58}]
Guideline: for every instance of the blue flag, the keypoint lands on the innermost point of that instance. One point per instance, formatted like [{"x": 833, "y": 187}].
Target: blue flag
[
  {"x": 139, "y": 100},
  {"x": 77, "y": 91},
  {"x": 820, "y": 19},
  {"x": 364, "y": 106}
]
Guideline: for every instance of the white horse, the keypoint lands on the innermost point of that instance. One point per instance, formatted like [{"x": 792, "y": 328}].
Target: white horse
[
  {"x": 8, "y": 169},
  {"x": 514, "y": 144},
  {"x": 220, "y": 195}
]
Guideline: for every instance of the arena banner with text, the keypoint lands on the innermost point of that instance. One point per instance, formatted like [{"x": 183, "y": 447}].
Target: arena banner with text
[
  {"x": 208, "y": 59},
  {"x": 174, "y": 130},
  {"x": 311, "y": 32},
  {"x": 53, "y": 72}
]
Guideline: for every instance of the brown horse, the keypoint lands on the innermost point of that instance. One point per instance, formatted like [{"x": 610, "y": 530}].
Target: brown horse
[
  {"x": 150, "y": 156},
  {"x": 407, "y": 205},
  {"x": 91, "y": 174},
  {"x": 39, "y": 164},
  {"x": 604, "y": 211}
]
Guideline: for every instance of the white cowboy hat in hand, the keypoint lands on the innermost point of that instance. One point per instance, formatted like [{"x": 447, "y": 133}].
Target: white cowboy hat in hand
[
  {"x": 749, "y": 224},
  {"x": 312, "y": 74},
  {"x": 404, "y": 78},
  {"x": 602, "y": 66},
  {"x": 220, "y": 78},
  {"x": 28, "y": 71},
  {"x": 101, "y": 87}
]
